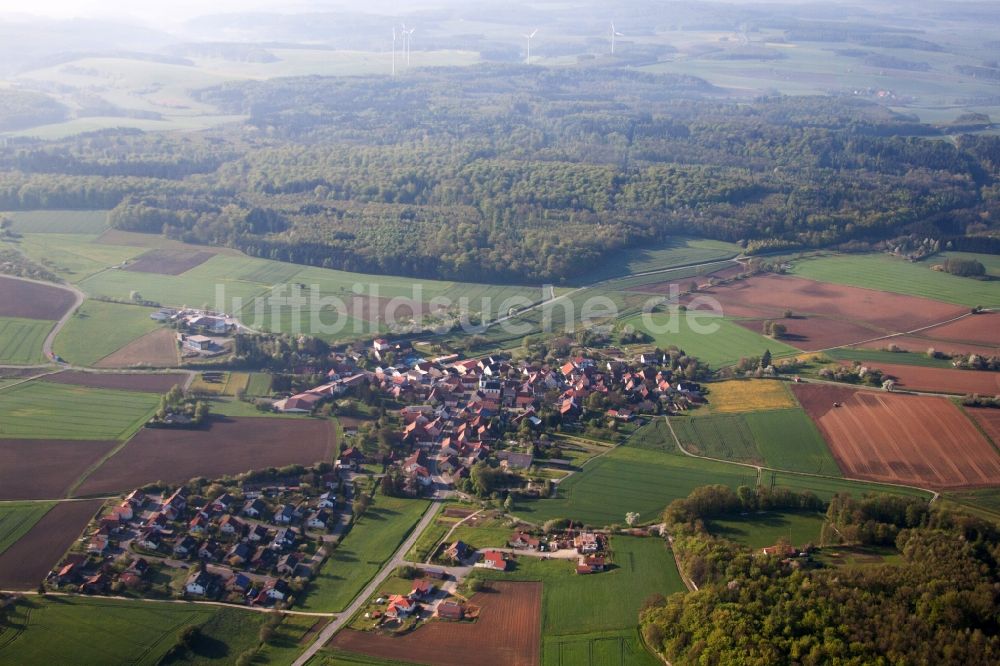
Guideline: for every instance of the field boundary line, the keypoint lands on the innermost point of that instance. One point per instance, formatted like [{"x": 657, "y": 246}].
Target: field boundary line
[{"x": 764, "y": 468}]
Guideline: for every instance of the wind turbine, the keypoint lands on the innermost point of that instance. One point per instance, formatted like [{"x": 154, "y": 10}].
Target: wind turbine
[
  {"x": 409, "y": 34},
  {"x": 394, "y": 50},
  {"x": 614, "y": 33},
  {"x": 528, "y": 37}
]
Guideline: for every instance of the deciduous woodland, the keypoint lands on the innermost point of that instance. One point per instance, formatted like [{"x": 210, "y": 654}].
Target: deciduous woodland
[{"x": 514, "y": 174}]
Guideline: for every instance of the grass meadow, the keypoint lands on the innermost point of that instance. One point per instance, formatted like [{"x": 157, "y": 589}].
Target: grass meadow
[
  {"x": 788, "y": 439},
  {"x": 574, "y": 604},
  {"x": 825, "y": 488},
  {"x": 725, "y": 346},
  {"x": 74, "y": 257},
  {"x": 680, "y": 251},
  {"x": 40, "y": 410},
  {"x": 884, "y": 273},
  {"x": 62, "y": 630},
  {"x": 758, "y": 530},
  {"x": 16, "y": 518},
  {"x": 603, "y": 648},
  {"x": 99, "y": 329},
  {"x": 631, "y": 479},
  {"x": 21, "y": 340},
  {"x": 727, "y": 437},
  {"x": 59, "y": 221},
  {"x": 372, "y": 541}
]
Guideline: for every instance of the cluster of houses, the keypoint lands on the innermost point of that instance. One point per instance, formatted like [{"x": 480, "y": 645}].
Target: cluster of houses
[
  {"x": 243, "y": 547},
  {"x": 590, "y": 546},
  {"x": 453, "y": 404},
  {"x": 339, "y": 379}
]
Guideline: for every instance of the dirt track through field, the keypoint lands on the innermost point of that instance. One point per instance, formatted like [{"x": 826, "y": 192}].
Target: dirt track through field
[
  {"x": 915, "y": 440},
  {"x": 507, "y": 633},
  {"x": 27, "y": 562}
]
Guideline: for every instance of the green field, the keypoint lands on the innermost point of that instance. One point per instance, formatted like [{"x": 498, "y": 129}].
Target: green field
[
  {"x": 94, "y": 632},
  {"x": 40, "y": 410},
  {"x": 765, "y": 528},
  {"x": 631, "y": 479},
  {"x": 74, "y": 257},
  {"x": 260, "y": 384},
  {"x": 654, "y": 436},
  {"x": 727, "y": 437},
  {"x": 372, "y": 541},
  {"x": 885, "y": 273},
  {"x": 176, "y": 290},
  {"x": 726, "y": 345},
  {"x": 990, "y": 261},
  {"x": 21, "y": 340},
  {"x": 605, "y": 648},
  {"x": 570, "y": 602},
  {"x": 226, "y": 635},
  {"x": 59, "y": 221},
  {"x": 680, "y": 251},
  {"x": 16, "y": 518},
  {"x": 788, "y": 439},
  {"x": 985, "y": 500},
  {"x": 482, "y": 537},
  {"x": 876, "y": 356},
  {"x": 340, "y": 658},
  {"x": 98, "y": 329},
  {"x": 825, "y": 488}
]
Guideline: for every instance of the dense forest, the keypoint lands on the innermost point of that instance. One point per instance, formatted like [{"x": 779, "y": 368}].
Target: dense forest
[
  {"x": 513, "y": 174},
  {"x": 938, "y": 605}
]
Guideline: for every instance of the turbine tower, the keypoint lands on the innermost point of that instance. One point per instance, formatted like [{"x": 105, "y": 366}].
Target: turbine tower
[
  {"x": 409, "y": 41},
  {"x": 394, "y": 50},
  {"x": 614, "y": 33},
  {"x": 528, "y": 37}
]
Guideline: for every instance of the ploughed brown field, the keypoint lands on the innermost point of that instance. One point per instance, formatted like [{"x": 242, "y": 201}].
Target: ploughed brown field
[
  {"x": 989, "y": 420},
  {"x": 33, "y": 469},
  {"x": 942, "y": 379},
  {"x": 226, "y": 446},
  {"x": 914, "y": 440},
  {"x": 149, "y": 383},
  {"x": 827, "y": 315},
  {"x": 982, "y": 329},
  {"x": 156, "y": 349},
  {"x": 169, "y": 261},
  {"x": 33, "y": 301},
  {"x": 507, "y": 633},
  {"x": 27, "y": 562}
]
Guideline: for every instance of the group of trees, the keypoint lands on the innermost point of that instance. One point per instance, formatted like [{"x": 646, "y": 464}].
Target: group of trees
[
  {"x": 964, "y": 267},
  {"x": 937, "y": 606},
  {"x": 500, "y": 173}
]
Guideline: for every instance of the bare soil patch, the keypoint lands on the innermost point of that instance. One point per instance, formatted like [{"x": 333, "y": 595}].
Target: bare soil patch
[
  {"x": 148, "y": 383},
  {"x": 918, "y": 344},
  {"x": 769, "y": 296},
  {"x": 156, "y": 349},
  {"x": 915, "y": 440},
  {"x": 988, "y": 420},
  {"x": 169, "y": 261},
  {"x": 29, "y": 300},
  {"x": 226, "y": 446},
  {"x": 27, "y": 562},
  {"x": 982, "y": 329},
  {"x": 816, "y": 333},
  {"x": 507, "y": 633},
  {"x": 33, "y": 469},
  {"x": 942, "y": 379}
]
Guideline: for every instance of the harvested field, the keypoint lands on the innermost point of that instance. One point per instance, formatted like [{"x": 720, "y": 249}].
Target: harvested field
[
  {"x": 29, "y": 300},
  {"x": 988, "y": 420},
  {"x": 32, "y": 469},
  {"x": 26, "y": 563},
  {"x": 816, "y": 333},
  {"x": 982, "y": 329},
  {"x": 156, "y": 349},
  {"x": 147, "y": 383},
  {"x": 736, "y": 396},
  {"x": 940, "y": 379},
  {"x": 227, "y": 446},
  {"x": 169, "y": 261},
  {"x": 768, "y": 296},
  {"x": 916, "y": 440},
  {"x": 507, "y": 633}
]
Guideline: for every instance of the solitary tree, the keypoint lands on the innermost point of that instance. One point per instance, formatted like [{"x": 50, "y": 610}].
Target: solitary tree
[{"x": 631, "y": 518}]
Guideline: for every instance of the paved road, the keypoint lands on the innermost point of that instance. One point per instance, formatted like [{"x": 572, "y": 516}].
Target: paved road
[{"x": 398, "y": 559}]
